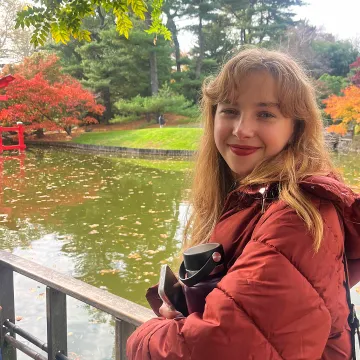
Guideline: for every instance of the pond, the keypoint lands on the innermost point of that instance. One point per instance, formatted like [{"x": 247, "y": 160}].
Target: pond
[{"x": 108, "y": 221}]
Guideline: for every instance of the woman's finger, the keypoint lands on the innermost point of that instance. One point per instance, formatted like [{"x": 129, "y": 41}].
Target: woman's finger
[{"x": 169, "y": 312}]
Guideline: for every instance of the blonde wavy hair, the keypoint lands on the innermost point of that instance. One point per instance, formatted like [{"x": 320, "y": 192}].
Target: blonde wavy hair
[{"x": 306, "y": 155}]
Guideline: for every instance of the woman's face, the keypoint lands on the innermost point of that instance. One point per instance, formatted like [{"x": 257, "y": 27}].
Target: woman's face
[{"x": 252, "y": 129}]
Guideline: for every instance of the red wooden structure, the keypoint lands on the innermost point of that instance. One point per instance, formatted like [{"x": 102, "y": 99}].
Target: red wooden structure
[
  {"x": 4, "y": 82},
  {"x": 21, "y": 145},
  {"x": 19, "y": 127}
]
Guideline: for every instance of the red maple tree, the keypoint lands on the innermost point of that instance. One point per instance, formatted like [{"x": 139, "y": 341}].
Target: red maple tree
[
  {"x": 355, "y": 67},
  {"x": 344, "y": 109},
  {"x": 42, "y": 97}
]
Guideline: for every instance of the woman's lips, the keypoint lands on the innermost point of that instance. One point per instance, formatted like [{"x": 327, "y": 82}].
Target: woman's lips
[{"x": 243, "y": 150}]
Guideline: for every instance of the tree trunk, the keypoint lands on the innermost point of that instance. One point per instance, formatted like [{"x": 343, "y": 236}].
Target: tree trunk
[
  {"x": 243, "y": 36},
  {"x": 39, "y": 133},
  {"x": 107, "y": 103},
  {"x": 68, "y": 129},
  {"x": 154, "y": 73},
  {"x": 154, "y": 82},
  {"x": 174, "y": 32},
  {"x": 201, "y": 49}
]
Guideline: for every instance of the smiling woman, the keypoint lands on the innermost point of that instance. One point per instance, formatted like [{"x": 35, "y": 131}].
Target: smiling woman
[{"x": 266, "y": 190}]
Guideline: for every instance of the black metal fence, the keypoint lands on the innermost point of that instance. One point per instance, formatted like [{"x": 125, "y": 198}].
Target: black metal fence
[{"x": 127, "y": 314}]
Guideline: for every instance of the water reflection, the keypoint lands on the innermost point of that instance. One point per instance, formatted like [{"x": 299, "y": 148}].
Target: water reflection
[{"x": 107, "y": 221}]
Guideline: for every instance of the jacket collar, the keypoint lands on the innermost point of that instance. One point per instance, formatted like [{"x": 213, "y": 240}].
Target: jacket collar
[{"x": 322, "y": 187}]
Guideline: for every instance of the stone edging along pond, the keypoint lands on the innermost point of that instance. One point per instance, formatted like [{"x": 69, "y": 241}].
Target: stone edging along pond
[
  {"x": 112, "y": 149},
  {"x": 342, "y": 145}
]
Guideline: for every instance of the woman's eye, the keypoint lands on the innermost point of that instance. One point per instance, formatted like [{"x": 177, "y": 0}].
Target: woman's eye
[
  {"x": 265, "y": 115},
  {"x": 229, "y": 112}
]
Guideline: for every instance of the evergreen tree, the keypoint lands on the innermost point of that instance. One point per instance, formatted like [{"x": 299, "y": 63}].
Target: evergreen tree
[
  {"x": 202, "y": 11},
  {"x": 340, "y": 54},
  {"x": 118, "y": 68},
  {"x": 114, "y": 67},
  {"x": 173, "y": 10},
  {"x": 259, "y": 21}
]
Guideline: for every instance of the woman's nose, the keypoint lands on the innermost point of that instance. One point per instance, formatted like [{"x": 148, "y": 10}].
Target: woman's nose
[{"x": 244, "y": 127}]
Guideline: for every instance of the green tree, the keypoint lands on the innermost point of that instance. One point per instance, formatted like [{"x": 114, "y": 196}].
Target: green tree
[
  {"x": 219, "y": 43},
  {"x": 317, "y": 50},
  {"x": 339, "y": 54},
  {"x": 260, "y": 21},
  {"x": 202, "y": 11},
  {"x": 114, "y": 67},
  {"x": 173, "y": 10},
  {"x": 64, "y": 19},
  {"x": 334, "y": 84},
  {"x": 165, "y": 101}
]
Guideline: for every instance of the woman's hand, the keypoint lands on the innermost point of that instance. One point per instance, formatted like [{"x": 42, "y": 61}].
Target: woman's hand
[{"x": 169, "y": 312}]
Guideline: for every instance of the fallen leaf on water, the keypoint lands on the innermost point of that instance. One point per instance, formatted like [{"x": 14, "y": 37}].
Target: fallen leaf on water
[
  {"x": 134, "y": 256},
  {"x": 94, "y": 225},
  {"x": 109, "y": 271},
  {"x": 152, "y": 252},
  {"x": 164, "y": 236},
  {"x": 93, "y": 232}
]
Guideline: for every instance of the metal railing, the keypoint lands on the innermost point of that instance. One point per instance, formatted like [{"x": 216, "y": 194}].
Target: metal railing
[{"x": 127, "y": 315}]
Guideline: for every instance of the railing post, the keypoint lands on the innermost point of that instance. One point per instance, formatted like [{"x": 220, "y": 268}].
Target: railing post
[
  {"x": 123, "y": 330},
  {"x": 56, "y": 322},
  {"x": 7, "y": 309}
]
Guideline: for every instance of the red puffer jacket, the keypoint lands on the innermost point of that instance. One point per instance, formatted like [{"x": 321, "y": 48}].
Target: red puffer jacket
[{"x": 279, "y": 299}]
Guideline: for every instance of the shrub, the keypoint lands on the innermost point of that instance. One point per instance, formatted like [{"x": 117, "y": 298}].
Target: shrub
[{"x": 151, "y": 107}]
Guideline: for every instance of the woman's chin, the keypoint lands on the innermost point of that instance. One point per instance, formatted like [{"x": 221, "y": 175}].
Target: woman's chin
[{"x": 240, "y": 174}]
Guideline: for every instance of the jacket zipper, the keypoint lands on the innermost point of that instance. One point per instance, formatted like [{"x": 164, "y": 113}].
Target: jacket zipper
[{"x": 263, "y": 193}]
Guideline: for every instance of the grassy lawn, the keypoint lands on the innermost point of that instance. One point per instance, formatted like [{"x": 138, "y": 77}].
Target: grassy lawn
[{"x": 153, "y": 138}]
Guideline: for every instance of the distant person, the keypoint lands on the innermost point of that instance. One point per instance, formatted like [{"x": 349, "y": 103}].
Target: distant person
[
  {"x": 265, "y": 189},
  {"x": 161, "y": 120}
]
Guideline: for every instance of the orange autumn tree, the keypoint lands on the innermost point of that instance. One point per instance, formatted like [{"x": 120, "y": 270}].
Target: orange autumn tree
[{"x": 345, "y": 108}]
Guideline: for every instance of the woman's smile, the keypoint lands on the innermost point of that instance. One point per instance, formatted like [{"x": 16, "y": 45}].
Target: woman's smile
[{"x": 242, "y": 150}]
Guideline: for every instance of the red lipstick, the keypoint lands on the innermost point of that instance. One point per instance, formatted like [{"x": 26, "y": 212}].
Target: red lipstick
[{"x": 242, "y": 150}]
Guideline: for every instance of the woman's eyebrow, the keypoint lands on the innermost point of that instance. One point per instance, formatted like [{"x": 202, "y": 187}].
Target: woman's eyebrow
[{"x": 268, "y": 104}]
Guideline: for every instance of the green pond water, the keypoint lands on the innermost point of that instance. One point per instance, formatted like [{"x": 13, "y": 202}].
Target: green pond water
[{"x": 108, "y": 221}]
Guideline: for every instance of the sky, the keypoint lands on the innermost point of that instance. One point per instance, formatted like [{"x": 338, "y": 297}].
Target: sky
[{"x": 339, "y": 17}]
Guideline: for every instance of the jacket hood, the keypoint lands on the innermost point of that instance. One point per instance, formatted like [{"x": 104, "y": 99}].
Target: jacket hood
[{"x": 348, "y": 205}]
